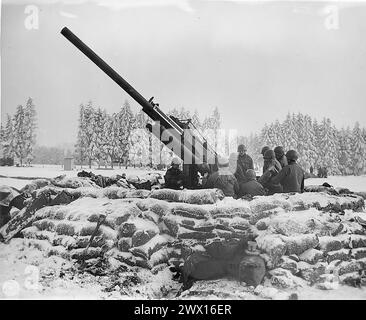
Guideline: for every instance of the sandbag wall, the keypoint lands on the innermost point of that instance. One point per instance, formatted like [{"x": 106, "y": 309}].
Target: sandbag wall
[{"x": 302, "y": 237}]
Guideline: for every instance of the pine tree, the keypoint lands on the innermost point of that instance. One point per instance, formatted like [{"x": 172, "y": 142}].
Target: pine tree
[
  {"x": 89, "y": 131},
  {"x": 358, "y": 151},
  {"x": 8, "y": 138},
  {"x": 125, "y": 122},
  {"x": 81, "y": 144},
  {"x": 20, "y": 134},
  {"x": 30, "y": 129}
]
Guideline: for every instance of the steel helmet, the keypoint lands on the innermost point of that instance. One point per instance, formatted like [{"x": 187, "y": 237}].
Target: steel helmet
[
  {"x": 279, "y": 151},
  {"x": 176, "y": 161},
  {"x": 242, "y": 147},
  {"x": 250, "y": 174},
  {"x": 292, "y": 155},
  {"x": 264, "y": 149},
  {"x": 269, "y": 155}
]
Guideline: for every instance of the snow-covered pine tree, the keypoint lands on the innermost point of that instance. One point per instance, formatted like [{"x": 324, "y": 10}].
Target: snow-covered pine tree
[
  {"x": 139, "y": 141},
  {"x": 81, "y": 144},
  {"x": 309, "y": 154},
  {"x": 30, "y": 123},
  {"x": 358, "y": 150},
  {"x": 110, "y": 138},
  {"x": 328, "y": 146},
  {"x": 125, "y": 120},
  {"x": 20, "y": 134},
  {"x": 98, "y": 135},
  {"x": 345, "y": 151},
  {"x": 89, "y": 127},
  {"x": 8, "y": 138}
]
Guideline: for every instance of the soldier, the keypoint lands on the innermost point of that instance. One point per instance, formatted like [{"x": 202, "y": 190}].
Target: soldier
[
  {"x": 280, "y": 156},
  {"x": 264, "y": 149},
  {"x": 244, "y": 163},
  {"x": 223, "y": 179},
  {"x": 252, "y": 186},
  {"x": 174, "y": 176},
  {"x": 291, "y": 176},
  {"x": 271, "y": 168}
]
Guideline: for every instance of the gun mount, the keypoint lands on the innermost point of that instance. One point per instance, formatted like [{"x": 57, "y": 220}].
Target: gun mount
[{"x": 179, "y": 136}]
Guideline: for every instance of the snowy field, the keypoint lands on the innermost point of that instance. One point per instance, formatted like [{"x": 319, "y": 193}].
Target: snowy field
[
  {"x": 354, "y": 183},
  {"x": 16, "y": 176}
]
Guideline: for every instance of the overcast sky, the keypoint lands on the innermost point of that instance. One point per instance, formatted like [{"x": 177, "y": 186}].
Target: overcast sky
[{"x": 255, "y": 61}]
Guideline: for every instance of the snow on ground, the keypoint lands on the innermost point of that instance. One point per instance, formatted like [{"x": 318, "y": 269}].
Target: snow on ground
[
  {"x": 52, "y": 171},
  {"x": 27, "y": 274},
  {"x": 353, "y": 183}
]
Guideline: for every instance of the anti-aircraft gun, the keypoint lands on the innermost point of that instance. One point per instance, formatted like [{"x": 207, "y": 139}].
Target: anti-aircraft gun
[{"x": 180, "y": 136}]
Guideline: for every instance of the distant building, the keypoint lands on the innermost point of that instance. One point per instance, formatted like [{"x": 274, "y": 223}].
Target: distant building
[{"x": 68, "y": 163}]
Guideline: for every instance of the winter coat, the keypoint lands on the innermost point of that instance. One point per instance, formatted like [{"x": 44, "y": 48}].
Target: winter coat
[
  {"x": 252, "y": 187},
  {"x": 173, "y": 178},
  {"x": 270, "y": 163},
  {"x": 244, "y": 163},
  {"x": 267, "y": 179},
  {"x": 223, "y": 180},
  {"x": 283, "y": 161},
  {"x": 291, "y": 178}
]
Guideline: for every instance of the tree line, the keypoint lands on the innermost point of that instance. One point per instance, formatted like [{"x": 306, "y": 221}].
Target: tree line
[
  {"x": 319, "y": 144},
  {"x": 18, "y": 135},
  {"x": 122, "y": 137}
]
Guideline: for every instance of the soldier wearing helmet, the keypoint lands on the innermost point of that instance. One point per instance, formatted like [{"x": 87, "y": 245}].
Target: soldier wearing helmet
[
  {"x": 174, "y": 176},
  {"x": 244, "y": 163},
  {"x": 291, "y": 176},
  {"x": 264, "y": 149},
  {"x": 252, "y": 186},
  {"x": 223, "y": 179},
  {"x": 271, "y": 168},
  {"x": 280, "y": 156}
]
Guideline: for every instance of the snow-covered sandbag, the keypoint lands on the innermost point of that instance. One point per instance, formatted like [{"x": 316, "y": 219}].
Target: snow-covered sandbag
[
  {"x": 358, "y": 241},
  {"x": 83, "y": 254},
  {"x": 72, "y": 182},
  {"x": 341, "y": 255},
  {"x": 166, "y": 195},
  {"x": 230, "y": 208},
  {"x": 190, "y": 211},
  {"x": 273, "y": 245},
  {"x": 204, "y": 196},
  {"x": 159, "y": 207},
  {"x": 128, "y": 228},
  {"x": 124, "y": 244},
  {"x": 184, "y": 233},
  {"x": 300, "y": 243},
  {"x": 311, "y": 272},
  {"x": 35, "y": 185},
  {"x": 140, "y": 237},
  {"x": 328, "y": 243},
  {"x": 284, "y": 279},
  {"x": 146, "y": 250},
  {"x": 311, "y": 256}
]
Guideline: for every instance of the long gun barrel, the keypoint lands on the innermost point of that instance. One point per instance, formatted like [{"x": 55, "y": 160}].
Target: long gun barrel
[
  {"x": 146, "y": 105},
  {"x": 184, "y": 141}
]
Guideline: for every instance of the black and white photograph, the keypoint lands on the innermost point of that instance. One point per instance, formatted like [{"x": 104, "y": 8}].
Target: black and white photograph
[{"x": 183, "y": 150}]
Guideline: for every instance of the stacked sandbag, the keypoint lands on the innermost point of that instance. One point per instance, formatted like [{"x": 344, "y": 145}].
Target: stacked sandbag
[
  {"x": 203, "y": 196},
  {"x": 311, "y": 244},
  {"x": 35, "y": 185},
  {"x": 71, "y": 226},
  {"x": 72, "y": 182}
]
